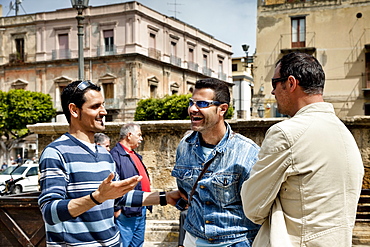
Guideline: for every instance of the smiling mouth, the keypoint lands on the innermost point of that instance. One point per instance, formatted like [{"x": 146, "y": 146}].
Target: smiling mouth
[
  {"x": 100, "y": 120},
  {"x": 196, "y": 118}
]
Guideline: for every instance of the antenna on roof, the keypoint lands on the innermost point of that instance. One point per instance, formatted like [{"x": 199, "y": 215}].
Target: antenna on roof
[
  {"x": 175, "y": 7},
  {"x": 15, "y": 6}
]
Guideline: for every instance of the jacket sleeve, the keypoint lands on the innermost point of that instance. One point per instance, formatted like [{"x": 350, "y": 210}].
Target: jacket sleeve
[
  {"x": 133, "y": 198},
  {"x": 53, "y": 183},
  {"x": 271, "y": 170}
]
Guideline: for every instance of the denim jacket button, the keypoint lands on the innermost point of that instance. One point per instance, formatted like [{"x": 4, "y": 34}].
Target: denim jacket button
[
  {"x": 208, "y": 222},
  {"x": 208, "y": 202},
  {"x": 202, "y": 186},
  {"x": 211, "y": 239}
]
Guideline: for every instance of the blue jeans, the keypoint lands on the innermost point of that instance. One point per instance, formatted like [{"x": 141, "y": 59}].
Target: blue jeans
[{"x": 132, "y": 229}]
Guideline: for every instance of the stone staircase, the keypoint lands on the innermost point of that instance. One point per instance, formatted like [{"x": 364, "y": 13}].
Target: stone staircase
[
  {"x": 161, "y": 233},
  {"x": 165, "y": 233},
  {"x": 361, "y": 234}
]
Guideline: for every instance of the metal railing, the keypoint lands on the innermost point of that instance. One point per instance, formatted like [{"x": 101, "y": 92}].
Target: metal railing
[
  {"x": 106, "y": 50},
  {"x": 207, "y": 71},
  {"x": 175, "y": 60},
  {"x": 193, "y": 66},
  {"x": 17, "y": 58},
  {"x": 60, "y": 54},
  {"x": 154, "y": 53},
  {"x": 111, "y": 104}
]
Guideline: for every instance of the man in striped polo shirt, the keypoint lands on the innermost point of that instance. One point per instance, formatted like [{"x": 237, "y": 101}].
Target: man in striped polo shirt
[{"x": 77, "y": 180}]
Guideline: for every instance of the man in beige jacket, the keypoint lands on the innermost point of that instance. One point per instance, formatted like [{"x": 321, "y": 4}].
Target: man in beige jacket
[{"x": 305, "y": 187}]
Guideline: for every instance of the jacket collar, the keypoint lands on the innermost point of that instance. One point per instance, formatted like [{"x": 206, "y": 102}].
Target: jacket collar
[{"x": 194, "y": 139}]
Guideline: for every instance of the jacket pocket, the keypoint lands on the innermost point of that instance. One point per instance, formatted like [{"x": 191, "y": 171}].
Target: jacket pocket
[{"x": 226, "y": 189}]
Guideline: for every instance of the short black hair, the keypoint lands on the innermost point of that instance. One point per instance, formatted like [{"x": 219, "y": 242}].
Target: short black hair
[
  {"x": 72, "y": 94},
  {"x": 306, "y": 69},
  {"x": 222, "y": 92}
]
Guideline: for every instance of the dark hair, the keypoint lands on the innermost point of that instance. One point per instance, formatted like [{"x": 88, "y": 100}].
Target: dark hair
[
  {"x": 72, "y": 94},
  {"x": 222, "y": 92},
  {"x": 306, "y": 69}
]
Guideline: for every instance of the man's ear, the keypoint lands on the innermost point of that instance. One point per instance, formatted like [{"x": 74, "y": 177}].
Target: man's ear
[
  {"x": 73, "y": 109},
  {"x": 292, "y": 83},
  {"x": 223, "y": 109}
]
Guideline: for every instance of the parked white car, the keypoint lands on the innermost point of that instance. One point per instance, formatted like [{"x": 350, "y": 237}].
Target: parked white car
[{"x": 29, "y": 172}]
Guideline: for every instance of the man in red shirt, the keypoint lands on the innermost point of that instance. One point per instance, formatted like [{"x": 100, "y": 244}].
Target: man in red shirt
[{"x": 131, "y": 220}]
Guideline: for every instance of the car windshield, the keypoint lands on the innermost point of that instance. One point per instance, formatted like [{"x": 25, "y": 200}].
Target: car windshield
[
  {"x": 19, "y": 170},
  {"x": 8, "y": 170}
]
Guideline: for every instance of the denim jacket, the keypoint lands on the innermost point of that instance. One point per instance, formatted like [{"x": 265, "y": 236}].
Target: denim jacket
[{"x": 216, "y": 212}]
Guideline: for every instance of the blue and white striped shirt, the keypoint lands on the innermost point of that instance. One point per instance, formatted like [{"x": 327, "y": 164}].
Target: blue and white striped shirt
[{"x": 69, "y": 169}]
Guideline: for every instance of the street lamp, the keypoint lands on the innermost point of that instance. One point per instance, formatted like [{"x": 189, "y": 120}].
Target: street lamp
[
  {"x": 80, "y": 5},
  {"x": 245, "y": 49}
]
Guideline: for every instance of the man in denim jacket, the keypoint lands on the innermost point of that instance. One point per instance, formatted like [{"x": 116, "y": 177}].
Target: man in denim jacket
[{"x": 215, "y": 216}]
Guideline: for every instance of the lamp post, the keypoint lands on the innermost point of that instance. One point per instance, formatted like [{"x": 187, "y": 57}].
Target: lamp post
[
  {"x": 245, "y": 49},
  {"x": 80, "y": 5}
]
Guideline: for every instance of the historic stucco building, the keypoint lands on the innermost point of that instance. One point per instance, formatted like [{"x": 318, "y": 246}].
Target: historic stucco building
[
  {"x": 130, "y": 50},
  {"x": 336, "y": 32}
]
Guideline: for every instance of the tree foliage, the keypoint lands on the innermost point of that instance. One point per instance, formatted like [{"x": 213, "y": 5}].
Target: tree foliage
[
  {"x": 171, "y": 107},
  {"x": 20, "y": 107}
]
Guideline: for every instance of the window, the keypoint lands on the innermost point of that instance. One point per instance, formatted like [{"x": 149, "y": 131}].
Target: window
[
  {"x": 108, "y": 90},
  {"x": 63, "y": 46},
  {"x": 367, "y": 69},
  {"x": 153, "y": 91},
  {"x": 19, "y": 46},
  {"x": 205, "y": 60},
  {"x": 173, "y": 48},
  {"x": 191, "y": 55},
  {"x": 152, "y": 40},
  {"x": 298, "y": 32},
  {"x": 234, "y": 67},
  {"x": 108, "y": 40},
  {"x": 220, "y": 66}
]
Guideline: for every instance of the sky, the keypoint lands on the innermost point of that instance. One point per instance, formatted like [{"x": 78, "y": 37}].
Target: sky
[{"x": 230, "y": 21}]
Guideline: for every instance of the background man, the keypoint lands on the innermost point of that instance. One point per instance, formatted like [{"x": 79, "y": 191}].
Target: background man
[
  {"x": 102, "y": 140},
  {"x": 215, "y": 215},
  {"x": 76, "y": 205},
  {"x": 131, "y": 220},
  {"x": 131, "y": 214},
  {"x": 305, "y": 187},
  {"x": 19, "y": 159}
]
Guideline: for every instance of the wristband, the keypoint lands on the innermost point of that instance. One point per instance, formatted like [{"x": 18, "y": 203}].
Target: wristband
[
  {"x": 93, "y": 199},
  {"x": 162, "y": 198}
]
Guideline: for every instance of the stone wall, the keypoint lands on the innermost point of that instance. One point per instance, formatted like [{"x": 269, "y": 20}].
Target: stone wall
[{"x": 161, "y": 139}]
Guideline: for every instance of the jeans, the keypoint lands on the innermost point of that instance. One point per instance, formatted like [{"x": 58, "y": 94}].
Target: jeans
[{"x": 132, "y": 229}]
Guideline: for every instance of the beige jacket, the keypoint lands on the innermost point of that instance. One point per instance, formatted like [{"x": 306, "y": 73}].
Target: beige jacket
[{"x": 305, "y": 187}]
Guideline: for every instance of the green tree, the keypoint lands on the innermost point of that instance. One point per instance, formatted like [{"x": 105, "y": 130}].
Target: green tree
[
  {"x": 20, "y": 107},
  {"x": 173, "y": 107}
]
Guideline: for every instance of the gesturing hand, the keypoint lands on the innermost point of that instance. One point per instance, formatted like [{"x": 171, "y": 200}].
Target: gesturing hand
[{"x": 109, "y": 189}]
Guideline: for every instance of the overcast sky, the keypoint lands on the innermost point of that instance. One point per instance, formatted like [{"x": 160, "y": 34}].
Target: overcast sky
[{"x": 230, "y": 21}]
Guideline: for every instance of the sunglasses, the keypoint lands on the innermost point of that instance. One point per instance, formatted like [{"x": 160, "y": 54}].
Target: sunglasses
[
  {"x": 203, "y": 103},
  {"x": 81, "y": 86},
  {"x": 274, "y": 81}
]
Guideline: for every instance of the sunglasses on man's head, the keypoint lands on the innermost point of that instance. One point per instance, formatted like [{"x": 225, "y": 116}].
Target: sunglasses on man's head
[
  {"x": 203, "y": 103},
  {"x": 82, "y": 86}
]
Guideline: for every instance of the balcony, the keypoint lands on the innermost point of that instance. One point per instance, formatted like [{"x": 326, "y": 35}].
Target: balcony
[
  {"x": 17, "y": 58},
  {"x": 175, "y": 60},
  {"x": 207, "y": 71},
  {"x": 60, "y": 54},
  {"x": 193, "y": 66},
  {"x": 106, "y": 50},
  {"x": 154, "y": 53},
  {"x": 111, "y": 104},
  {"x": 222, "y": 76}
]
